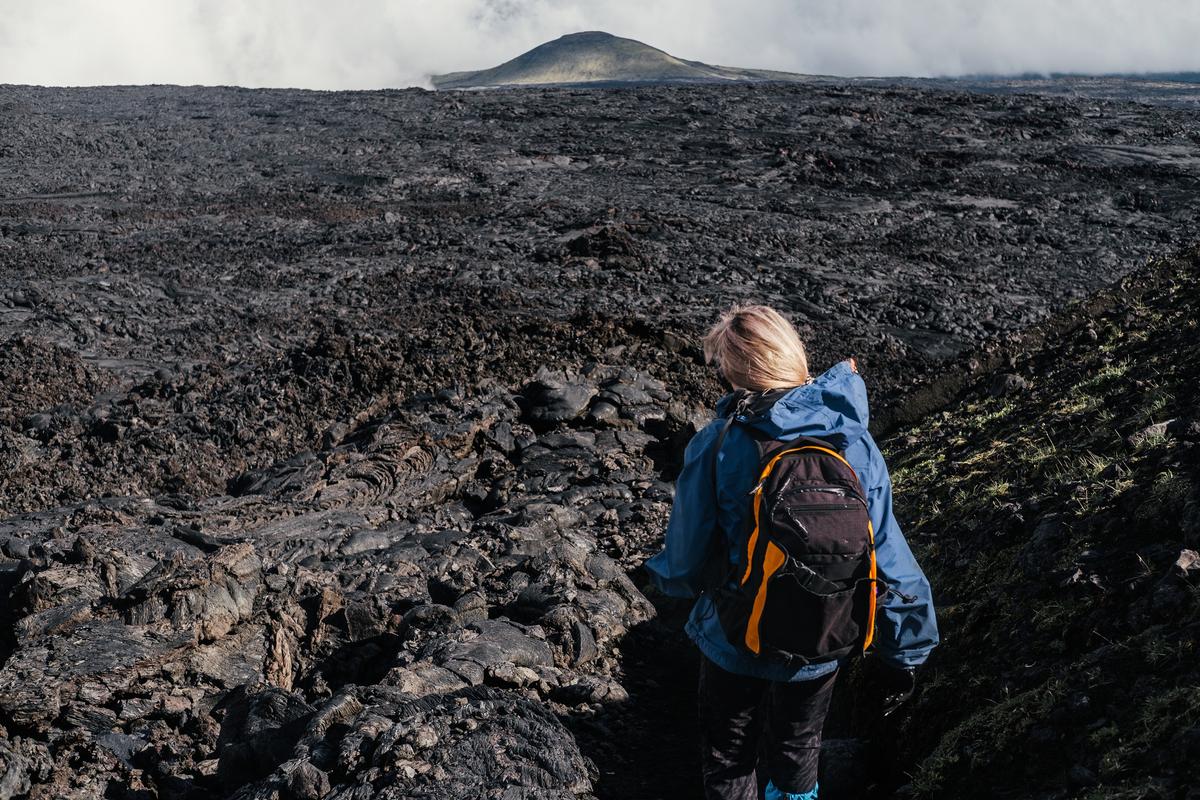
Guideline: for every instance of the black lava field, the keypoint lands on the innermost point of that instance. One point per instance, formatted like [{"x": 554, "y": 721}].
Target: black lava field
[{"x": 334, "y": 427}]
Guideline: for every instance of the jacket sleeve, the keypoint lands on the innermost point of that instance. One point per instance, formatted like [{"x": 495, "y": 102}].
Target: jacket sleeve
[
  {"x": 692, "y": 532},
  {"x": 906, "y": 629}
]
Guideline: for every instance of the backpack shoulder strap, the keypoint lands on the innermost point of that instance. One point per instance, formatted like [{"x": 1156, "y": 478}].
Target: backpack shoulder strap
[
  {"x": 719, "y": 566},
  {"x": 746, "y": 402},
  {"x": 738, "y": 408}
]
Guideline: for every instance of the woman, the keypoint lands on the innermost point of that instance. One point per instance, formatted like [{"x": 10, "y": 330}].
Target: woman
[{"x": 744, "y": 697}]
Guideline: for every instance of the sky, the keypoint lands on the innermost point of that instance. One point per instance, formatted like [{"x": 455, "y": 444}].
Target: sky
[{"x": 369, "y": 44}]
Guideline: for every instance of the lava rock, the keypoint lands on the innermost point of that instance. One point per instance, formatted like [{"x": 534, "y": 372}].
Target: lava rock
[
  {"x": 1158, "y": 430},
  {"x": 475, "y": 743},
  {"x": 1008, "y": 384}
]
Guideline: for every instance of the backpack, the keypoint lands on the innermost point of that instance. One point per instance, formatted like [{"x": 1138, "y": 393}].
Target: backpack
[{"x": 805, "y": 585}]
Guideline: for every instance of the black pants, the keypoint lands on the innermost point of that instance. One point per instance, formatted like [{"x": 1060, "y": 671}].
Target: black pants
[{"x": 743, "y": 720}]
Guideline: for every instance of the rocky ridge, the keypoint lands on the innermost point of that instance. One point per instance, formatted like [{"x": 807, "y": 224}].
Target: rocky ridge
[{"x": 1056, "y": 509}]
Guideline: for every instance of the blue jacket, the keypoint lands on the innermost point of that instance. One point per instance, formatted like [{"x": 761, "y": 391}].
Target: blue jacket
[{"x": 833, "y": 407}]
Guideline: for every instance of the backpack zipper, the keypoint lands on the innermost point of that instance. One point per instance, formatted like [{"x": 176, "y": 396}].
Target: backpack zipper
[
  {"x": 841, "y": 491},
  {"x": 827, "y": 507}
]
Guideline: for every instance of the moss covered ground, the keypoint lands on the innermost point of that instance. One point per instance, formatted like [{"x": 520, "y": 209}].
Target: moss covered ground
[{"x": 1054, "y": 507}]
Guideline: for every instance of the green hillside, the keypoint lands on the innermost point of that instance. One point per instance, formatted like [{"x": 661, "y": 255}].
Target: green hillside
[{"x": 1056, "y": 510}]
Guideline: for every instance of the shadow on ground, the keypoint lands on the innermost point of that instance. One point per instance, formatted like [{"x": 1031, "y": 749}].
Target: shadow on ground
[{"x": 647, "y": 747}]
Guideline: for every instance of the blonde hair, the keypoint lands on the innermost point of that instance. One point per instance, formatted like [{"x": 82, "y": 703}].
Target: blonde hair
[{"x": 755, "y": 348}]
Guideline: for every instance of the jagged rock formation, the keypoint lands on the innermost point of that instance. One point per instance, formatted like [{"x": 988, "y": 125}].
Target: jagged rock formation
[
  {"x": 402, "y": 607},
  {"x": 315, "y": 254},
  {"x": 289, "y": 506},
  {"x": 597, "y": 58}
]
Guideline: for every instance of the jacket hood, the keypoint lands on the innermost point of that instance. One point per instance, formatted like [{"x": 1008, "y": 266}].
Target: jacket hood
[{"x": 832, "y": 407}]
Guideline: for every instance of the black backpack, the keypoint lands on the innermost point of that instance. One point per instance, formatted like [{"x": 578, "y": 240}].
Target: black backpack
[{"x": 805, "y": 586}]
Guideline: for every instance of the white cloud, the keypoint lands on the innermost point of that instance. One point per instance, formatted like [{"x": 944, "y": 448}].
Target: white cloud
[{"x": 379, "y": 43}]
